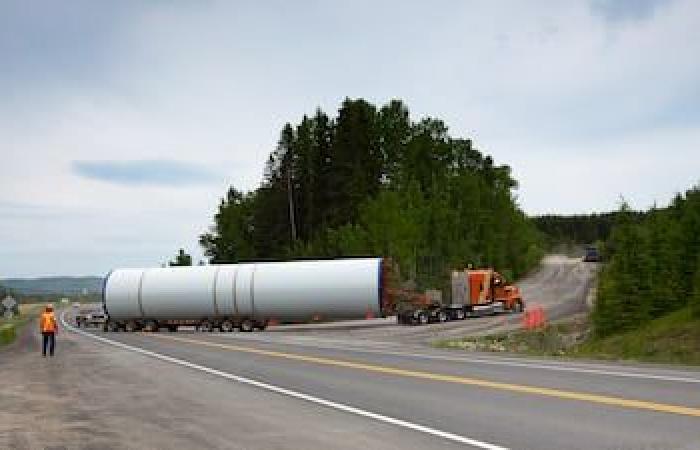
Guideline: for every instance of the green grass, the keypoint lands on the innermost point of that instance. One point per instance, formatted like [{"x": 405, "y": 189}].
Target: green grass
[
  {"x": 7, "y": 333},
  {"x": 9, "y": 328},
  {"x": 674, "y": 338}
]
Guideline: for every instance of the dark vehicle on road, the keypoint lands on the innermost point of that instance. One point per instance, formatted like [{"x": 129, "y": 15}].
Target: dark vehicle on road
[{"x": 591, "y": 255}]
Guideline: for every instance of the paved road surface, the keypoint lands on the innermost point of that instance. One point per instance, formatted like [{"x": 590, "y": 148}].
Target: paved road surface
[
  {"x": 101, "y": 396},
  {"x": 319, "y": 387}
]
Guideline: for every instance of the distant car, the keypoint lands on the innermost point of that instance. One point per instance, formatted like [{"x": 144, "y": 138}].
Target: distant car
[
  {"x": 591, "y": 255},
  {"x": 96, "y": 319},
  {"x": 87, "y": 318}
]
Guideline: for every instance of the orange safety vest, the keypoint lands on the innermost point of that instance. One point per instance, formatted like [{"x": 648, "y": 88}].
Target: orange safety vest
[{"x": 48, "y": 322}]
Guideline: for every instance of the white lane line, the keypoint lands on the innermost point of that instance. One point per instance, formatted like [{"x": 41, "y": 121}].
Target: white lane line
[
  {"x": 492, "y": 361},
  {"x": 290, "y": 393}
]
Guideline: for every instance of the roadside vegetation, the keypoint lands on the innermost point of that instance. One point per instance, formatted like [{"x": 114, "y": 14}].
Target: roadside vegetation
[
  {"x": 577, "y": 230},
  {"x": 373, "y": 181},
  {"x": 653, "y": 268},
  {"x": 674, "y": 338},
  {"x": 648, "y": 297},
  {"x": 10, "y": 328}
]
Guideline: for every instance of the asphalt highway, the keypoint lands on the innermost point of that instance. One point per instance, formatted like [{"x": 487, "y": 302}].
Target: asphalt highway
[{"x": 401, "y": 397}]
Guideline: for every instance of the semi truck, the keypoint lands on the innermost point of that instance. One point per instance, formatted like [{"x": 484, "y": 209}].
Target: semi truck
[
  {"x": 475, "y": 292},
  {"x": 252, "y": 295}
]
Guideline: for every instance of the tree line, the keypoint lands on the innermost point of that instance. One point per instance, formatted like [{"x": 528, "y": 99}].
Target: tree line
[
  {"x": 654, "y": 266},
  {"x": 372, "y": 181},
  {"x": 578, "y": 229}
]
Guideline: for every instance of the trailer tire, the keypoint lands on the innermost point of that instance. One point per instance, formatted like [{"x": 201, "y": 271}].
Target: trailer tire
[
  {"x": 130, "y": 326},
  {"x": 205, "y": 326},
  {"x": 423, "y": 318},
  {"x": 442, "y": 316},
  {"x": 517, "y": 307},
  {"x": 247, "y": 325},
  {"x": 459, "y": 314},
  {"x": 172, "y": 328},
  {"x": 226, "y": 326}
]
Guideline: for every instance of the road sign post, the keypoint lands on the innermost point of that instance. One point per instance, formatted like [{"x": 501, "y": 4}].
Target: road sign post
[{"x": 9, "y": 305}]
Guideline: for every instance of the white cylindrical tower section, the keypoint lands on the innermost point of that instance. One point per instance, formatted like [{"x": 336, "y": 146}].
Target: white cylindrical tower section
[
  {"x": 179, "y": 293},
  {"x": 121, "y": 294},
  {"x": 331, "y": 289},
  {"x": 285, "y": 291},
  {"x": 243, "y": 288}
]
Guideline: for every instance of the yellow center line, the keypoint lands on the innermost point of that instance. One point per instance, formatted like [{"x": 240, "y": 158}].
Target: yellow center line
[{"x": 525, "y": 389}]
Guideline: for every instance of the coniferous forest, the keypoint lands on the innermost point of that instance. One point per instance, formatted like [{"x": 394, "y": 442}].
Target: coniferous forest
[
  {"x": 653, "y": 267},
  {"x": 374, "y": 181}
]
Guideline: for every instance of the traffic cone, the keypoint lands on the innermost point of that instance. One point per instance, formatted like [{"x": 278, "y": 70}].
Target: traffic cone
[
  {"x": 539, "y": 317},
  {"x": 544, "y": 317}
]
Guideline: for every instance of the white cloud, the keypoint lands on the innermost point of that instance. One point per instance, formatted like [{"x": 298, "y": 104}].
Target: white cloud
[{"x": 584, "y": 108}]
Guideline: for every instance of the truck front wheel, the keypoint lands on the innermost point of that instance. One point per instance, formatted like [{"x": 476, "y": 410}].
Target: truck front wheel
[{"x": 517, "y": 307}]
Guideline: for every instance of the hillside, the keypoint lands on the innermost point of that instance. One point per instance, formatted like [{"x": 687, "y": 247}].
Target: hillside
[
  {"x": 54, "y": 285},
  {"x": 674, "y": 338}
]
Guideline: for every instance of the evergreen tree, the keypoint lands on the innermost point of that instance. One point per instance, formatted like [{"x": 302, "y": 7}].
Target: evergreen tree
[
  {"x": 373, "y": 182},
  {"x": 181, "y": 259},
  {"x": 695, "y": 297},
  {"x": 653, "y": 268}
]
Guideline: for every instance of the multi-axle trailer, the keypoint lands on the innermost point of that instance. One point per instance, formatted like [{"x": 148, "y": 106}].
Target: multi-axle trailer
[{"x": 252, "y": 295}]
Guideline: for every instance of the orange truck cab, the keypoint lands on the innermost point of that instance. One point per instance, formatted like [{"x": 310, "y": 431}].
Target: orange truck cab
[
  {"x": 475, "y": 292},
  {"x": 485, "y": 291}
]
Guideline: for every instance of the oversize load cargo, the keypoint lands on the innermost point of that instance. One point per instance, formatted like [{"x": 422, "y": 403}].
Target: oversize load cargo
[{"x": 284, "y": 291}]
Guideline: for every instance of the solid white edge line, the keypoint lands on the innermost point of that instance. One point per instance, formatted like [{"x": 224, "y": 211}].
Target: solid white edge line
[
  {"x": 290, "y": 393},
  {"x": 497, "y": 362}
]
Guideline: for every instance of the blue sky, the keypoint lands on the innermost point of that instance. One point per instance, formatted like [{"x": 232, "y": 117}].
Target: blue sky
[{"x": 122, "y": 123}]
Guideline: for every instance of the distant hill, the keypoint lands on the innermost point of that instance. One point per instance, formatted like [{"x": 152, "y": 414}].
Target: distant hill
[{"x": 54, "y": 285}]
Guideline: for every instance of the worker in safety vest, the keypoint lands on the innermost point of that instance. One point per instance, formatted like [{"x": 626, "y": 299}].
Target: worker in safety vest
[{"x": 48, "y": 326}]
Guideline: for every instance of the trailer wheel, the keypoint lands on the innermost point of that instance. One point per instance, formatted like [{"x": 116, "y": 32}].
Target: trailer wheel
[
  {"x": 422, "y": 318},
  {"x": 151, "y": 326},
  {"x": 226, "y": 326},
  {"x": 459, "y": 314},
  {"x": 130, "y": 326},
  {"x": 261, "y": 325},
  {"x": 205, "y": 326},
  {"x": 172, "y": 328},
  {"x": 442, "y": 316},
  {"x": 247, "y": 325}
]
